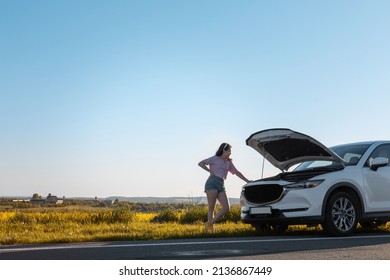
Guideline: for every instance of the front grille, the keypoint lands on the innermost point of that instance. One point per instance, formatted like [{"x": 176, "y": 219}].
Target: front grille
[{"x": 262, "y": 194}]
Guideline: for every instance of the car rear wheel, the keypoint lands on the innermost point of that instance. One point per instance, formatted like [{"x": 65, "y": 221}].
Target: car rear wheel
[{"x": 341, "y": 214}]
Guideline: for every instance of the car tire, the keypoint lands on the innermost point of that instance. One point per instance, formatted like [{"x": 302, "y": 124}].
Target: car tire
[{"x": 341, "y": 214}]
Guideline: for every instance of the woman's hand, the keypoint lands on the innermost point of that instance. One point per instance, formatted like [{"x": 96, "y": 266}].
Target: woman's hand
[{"x": 204, "y": 166}]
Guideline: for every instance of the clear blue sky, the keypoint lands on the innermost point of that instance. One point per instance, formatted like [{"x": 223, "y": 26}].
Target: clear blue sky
[{"x": 101, "y": 98}]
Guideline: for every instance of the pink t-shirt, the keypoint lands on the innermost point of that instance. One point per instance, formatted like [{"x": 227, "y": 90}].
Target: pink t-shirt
[{"x": 220, "y": 167}]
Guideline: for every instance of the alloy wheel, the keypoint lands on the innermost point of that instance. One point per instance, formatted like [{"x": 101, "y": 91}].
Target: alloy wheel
[{"x": 343, "y": 214}]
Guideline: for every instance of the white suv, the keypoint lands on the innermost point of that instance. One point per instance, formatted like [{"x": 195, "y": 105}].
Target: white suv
[{"x": 336, "y": 187}]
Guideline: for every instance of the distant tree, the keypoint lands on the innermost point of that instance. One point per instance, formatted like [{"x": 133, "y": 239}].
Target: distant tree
[{"x": 36, "y": 196}]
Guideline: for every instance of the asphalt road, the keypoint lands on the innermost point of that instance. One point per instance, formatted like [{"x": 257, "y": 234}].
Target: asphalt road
[{"x": 357, "y": 247}]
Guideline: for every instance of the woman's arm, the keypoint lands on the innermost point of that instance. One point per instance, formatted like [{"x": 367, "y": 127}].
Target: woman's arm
[
  {"x": 242, "y": 177},
  {"x": 204, "y": 166}
]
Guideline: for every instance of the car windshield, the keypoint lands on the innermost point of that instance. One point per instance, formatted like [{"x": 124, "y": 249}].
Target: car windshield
[{"x": 351, "y": 154}]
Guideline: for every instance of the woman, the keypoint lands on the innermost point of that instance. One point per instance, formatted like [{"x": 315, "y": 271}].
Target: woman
[{"x": 218, "y": 166}]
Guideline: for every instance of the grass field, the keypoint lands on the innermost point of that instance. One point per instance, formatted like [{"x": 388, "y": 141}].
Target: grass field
[{"x": 83, "y": 224}]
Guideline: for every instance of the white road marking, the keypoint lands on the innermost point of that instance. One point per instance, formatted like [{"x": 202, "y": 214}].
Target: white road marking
[{"x": 152, "y": 244}]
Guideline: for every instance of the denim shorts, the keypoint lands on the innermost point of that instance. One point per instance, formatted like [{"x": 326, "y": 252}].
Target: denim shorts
[{"x": 214, "y": 183}]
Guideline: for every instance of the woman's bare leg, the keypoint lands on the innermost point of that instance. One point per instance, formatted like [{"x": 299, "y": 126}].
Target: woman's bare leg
[
  {"x": 212, "y": 196},
  {"x": 224, "y": 201}
]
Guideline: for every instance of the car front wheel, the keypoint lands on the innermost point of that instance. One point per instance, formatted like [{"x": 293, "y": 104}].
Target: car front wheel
[{"x": 341, "y": 214}]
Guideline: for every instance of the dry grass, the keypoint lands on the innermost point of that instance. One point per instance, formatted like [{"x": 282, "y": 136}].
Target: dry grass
[
  {"x": 82, "y": 225},
  {"x": 113, "y": 224}
]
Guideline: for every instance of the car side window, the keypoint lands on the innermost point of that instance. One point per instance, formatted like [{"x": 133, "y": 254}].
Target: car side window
[{"x": 381, "y": 151}]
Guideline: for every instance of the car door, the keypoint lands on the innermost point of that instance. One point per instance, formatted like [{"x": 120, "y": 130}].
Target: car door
[{"x": 377, "y": 183}]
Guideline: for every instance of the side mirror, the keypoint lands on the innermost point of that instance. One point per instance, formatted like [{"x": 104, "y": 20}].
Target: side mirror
[{"x": 378, "y": 162}]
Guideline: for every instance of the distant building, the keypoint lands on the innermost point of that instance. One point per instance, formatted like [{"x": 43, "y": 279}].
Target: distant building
[{"x": 50, "y": 199}]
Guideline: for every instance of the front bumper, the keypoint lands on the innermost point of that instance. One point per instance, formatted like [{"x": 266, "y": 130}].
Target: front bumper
[
  {"x": 278, "y": 216},
  {"x": 293, "y": 207}
]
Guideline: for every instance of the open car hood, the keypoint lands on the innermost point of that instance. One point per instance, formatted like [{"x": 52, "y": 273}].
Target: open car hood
[{"x": 284, "y": 148}]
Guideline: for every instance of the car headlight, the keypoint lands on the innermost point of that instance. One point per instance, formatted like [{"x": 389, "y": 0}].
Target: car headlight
[{"x": 305, "y": 184}]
